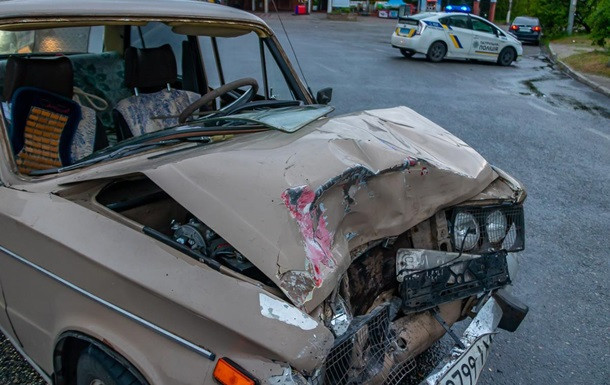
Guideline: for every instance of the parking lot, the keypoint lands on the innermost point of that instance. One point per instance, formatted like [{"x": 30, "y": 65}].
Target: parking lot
[{"x": 529, "y": 119}]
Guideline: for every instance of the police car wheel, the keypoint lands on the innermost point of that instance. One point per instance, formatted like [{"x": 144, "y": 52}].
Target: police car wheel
[
  {"x": 436, "y": 51},
  {"x": 406, "y": 53},
  {"x": 506, "y": 57}
]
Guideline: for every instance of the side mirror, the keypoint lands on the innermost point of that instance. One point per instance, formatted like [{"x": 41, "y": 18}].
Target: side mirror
[{"x": 324, "y": 95}]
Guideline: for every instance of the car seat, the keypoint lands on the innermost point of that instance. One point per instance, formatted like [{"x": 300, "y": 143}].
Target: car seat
[
  {"x": 150, "y": 72},
  {"x": 46, "y": 128}
]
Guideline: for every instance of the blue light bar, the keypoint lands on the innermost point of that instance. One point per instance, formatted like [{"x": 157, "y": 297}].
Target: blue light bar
[{"x": 455, "y": 8}]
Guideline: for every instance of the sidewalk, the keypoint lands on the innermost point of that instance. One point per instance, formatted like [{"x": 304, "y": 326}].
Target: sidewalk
[{"x": 562, "y": 51}]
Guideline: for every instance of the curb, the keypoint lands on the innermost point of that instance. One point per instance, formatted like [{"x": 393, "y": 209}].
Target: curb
[{"x": 575, "y": 74}]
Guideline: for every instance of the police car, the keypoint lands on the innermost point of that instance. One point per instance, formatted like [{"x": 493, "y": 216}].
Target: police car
[{"x": 455, "y": 35}]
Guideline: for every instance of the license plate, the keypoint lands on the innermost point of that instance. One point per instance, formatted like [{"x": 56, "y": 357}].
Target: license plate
[
  {"x": 405, "y": 31},
  {"x": 467, "y": 369}
]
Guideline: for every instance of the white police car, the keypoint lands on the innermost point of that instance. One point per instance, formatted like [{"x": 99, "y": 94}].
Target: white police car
[{"x": 455, "y": 36}]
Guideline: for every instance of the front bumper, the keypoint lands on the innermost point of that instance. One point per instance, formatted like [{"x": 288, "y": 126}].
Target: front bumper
[{"x": 485, "y": 323}]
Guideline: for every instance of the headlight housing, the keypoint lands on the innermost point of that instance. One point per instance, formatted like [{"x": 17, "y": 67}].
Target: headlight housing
[
  {"x": 466, "y": 231},
  {"x": 496, "y": 226},
  {"x": 487, "y": 229}
]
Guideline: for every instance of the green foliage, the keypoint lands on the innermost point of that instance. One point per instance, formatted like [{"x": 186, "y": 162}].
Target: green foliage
[
  {"x": 339, "y": 11},
  {"x": 553, "y": 14},
  {"x": 599, "y": 20}
]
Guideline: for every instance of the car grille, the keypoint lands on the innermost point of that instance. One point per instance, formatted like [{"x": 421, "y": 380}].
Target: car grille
[{"x": 364, "y": 354}]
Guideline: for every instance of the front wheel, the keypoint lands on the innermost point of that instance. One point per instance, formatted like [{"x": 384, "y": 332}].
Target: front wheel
[
  {"x": 436, "y": 52},
  {"x": 506, "y": 56},
  {"x": 97, "y": 368},
  {"x": 407, "y": 53}
]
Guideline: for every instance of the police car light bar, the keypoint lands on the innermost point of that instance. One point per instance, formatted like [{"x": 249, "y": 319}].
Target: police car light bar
[{"x": 457, "y": 8}]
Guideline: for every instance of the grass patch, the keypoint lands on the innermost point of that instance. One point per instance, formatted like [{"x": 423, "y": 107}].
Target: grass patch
[
  {"x": 583, "y": 40},
  {"x": 596, "y": 62}
]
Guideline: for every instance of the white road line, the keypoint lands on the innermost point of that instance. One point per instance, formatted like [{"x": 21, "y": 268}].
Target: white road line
[
  {"x": 330, "y": 69},
  {"x": 594, "y": 131},
  {"x": 542, "y": 108}
]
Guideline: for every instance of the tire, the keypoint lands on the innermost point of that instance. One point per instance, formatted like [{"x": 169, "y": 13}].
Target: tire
[
  {"x": 97, "y": 368},
  {"x": 507, "y": 56},
  {"x": 406, "y": 53},
  {"x": 436, "y": 51}
]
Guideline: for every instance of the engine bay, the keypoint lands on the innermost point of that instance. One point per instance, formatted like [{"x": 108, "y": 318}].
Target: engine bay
[{"x": 142, "y": 201}]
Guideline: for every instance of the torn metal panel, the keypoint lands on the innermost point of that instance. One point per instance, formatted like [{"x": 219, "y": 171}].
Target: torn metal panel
[
  {"x": 279, "y": 310},
  {"x": 346, "y": 170}
]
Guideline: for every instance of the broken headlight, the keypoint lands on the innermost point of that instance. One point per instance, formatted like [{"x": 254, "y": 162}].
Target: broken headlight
[
  {"x": 496, "y": 226},
  {"x": 487, "y": 229},
  {"x": 466, "y": 232}
]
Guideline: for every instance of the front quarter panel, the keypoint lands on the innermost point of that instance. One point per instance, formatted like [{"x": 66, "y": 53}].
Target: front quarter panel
[{"x": 128, "y": 269}]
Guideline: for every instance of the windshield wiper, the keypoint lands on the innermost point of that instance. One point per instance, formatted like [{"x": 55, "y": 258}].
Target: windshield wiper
[{"x": 128, "y": 149}]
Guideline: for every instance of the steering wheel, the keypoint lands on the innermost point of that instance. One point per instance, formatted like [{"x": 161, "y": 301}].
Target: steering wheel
[{"x": 208, "y": 97}]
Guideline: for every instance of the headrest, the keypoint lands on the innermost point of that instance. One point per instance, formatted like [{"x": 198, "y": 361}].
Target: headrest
[
  {"x": 150, "y": 68},
  {"x": 50, "y": 74}
]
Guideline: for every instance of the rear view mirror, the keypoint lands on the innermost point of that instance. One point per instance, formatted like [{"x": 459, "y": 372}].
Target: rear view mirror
[{"x": 324, "y": 95}]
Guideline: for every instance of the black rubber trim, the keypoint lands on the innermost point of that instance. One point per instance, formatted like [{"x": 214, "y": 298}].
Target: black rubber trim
[{"x": 99, "y": 345}]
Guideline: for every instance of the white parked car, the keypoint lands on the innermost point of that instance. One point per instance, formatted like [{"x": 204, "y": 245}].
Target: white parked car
[{"x": 455, "y": 36}]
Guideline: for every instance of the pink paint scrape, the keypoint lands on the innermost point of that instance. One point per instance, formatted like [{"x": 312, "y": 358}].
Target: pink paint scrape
[{"x": 318, "y": 240}]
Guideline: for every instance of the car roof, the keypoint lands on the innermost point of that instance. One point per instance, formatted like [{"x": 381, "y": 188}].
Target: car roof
[
  {"x": 437, "y": 15},
  {"x": 153, "y": 9}
]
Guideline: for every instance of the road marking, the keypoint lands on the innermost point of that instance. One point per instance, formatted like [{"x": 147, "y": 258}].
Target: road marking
[
  {"x": 328, "y": 68},
  {"x": 594, "y": 131},
  {"x": 542, "y": 108}
]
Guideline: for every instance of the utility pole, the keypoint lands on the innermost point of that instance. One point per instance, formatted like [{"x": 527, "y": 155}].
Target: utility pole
[
  {"x": 571, "y": 16},
  {"x": 510, "y": 6}
]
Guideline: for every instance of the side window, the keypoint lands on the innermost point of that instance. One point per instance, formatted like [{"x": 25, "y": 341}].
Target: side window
[
  {"x": 278, "y": 88},
  {"x": 156, "y": 34},
  {"x": 209, "y": 61},
  {"x": 459, "y": 21},
  {"x": 56, "y": 40},
  {"x": 481, "y": 26},
  {"x": 241, "y": 58}
]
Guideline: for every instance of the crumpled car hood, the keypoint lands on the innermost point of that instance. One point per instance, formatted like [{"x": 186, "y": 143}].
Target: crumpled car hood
[{"x": 296, "y": 204}]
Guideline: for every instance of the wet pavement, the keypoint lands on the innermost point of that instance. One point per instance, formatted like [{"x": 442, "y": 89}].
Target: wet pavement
[
  {"x": 559, "y": 52},
  {"x": 530, "y": 119},
  {"x": 546, "y": 129}
]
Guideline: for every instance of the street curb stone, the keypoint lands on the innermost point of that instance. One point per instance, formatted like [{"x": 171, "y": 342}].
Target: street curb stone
[{"x": 575, "y": 74}]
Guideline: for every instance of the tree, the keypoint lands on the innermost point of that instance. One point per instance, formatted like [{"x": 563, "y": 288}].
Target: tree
[
  {"x": 553, "y": 14},
  {"x": 599, "y": 20}
]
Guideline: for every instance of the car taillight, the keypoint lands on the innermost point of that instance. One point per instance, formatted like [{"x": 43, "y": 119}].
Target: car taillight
[
  {"x": 514, "y": 27},
  {"x": 536, "y": 28},
  {"x": 420, "y": 28}
]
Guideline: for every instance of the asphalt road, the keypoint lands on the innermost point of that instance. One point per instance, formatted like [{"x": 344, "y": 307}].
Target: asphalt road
[{"x": 544, "y": 128}]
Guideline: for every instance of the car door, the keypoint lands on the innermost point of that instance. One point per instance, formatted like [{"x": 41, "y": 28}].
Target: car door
[
  {"x": 459, "y": 35},
  {"x": 5, "y": 325},
  {"x": 486, "y": 44}
]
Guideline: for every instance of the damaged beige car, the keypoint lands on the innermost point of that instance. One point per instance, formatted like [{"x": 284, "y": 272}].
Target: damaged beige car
[{"x": 178, "y": 208}]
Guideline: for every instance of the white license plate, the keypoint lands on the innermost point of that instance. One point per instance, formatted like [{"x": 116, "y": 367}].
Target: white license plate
[{"x": 467, "y": 369}]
